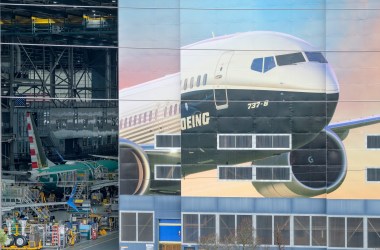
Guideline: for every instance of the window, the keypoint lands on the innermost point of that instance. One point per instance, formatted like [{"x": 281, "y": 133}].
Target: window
[
  {"x": 273, "y": 141},
  {"x": 75, "y": 119},
  {"x": 301, "y": 230},
  {"x": 337, "y": 232},
  {"x": 165, "y": 111},
  {"x": 373, "y": 141},
  {"x": 126, "y": 122},
  {"x": 373, "y": 231},
  {"x": 198, "y": 81},
  {"x": 145, "y": 227},
  {"x": 207, "y": 226},
  {"x": 85, "y": 123},
  {"x": 167, "y": 141},
  {"x": 204, "y": 79},
  {"x": 136, "y": 227},
  {"x": 235, "y": 141},
  {"x": 150, "y": 115},
  {"x": 144, "y": 120},
  {"x": 315, "y": 57},
  {"x": 235, "y": 173},
  {"x": 175, "y": 109},
  {"x": 167, "y": 172},
  {"x": 244, "y": 229},
  {"x": 268, "y": 173},
  {"x": 185, "y": 84},
  {"x": 191, "y": 82},
  {"x": 355, "y": 232},
  {"x": 226, "y": 227},
  {"x": 253, "y": 141},
  {"x": 281, "y": 232},
  {"x": 257, "y": 64},
  {"x": 170, "y": 110},
  {"x": 130, "y": 121},
  {"x": 190, "y": 228},
  {"x": 290, "y": 59},
  {"x": 373, "y": 174},
  {"x": 264, "y": 229},
  {"x": 319, "y": 231},
  {"x": 269, "y": 63}
]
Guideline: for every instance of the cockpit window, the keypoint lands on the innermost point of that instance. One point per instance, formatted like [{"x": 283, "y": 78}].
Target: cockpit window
[
  {"x": 289, "y": 59},
  {"x": 257, "y": 65},
  {"x": 269, "y": 63},
  {"x": 315, "y": 57}
]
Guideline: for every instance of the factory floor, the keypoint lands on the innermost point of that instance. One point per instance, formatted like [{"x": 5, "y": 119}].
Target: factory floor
[{"x": 109, "y": 242}]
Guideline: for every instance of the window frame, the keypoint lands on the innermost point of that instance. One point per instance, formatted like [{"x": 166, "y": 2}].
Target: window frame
[
  {"x": 232, "y": 166},
  {"x": 254, "y": 140},
  {"x": 366, "y": 141},
  {"x": 366, "y": 175},
  {"x": 137, "y": 226},
  {"x": 166, "y": 165},
  {"x": 171, "y": 134}
]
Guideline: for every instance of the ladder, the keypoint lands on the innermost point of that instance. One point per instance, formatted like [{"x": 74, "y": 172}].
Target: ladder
[{"x": 55, "y": 235}]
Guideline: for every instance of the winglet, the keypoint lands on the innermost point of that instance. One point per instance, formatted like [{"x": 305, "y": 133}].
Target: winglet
[{"x": 70, "y": 202}]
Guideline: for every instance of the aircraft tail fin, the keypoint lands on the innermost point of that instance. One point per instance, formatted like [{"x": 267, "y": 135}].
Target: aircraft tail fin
[
  {"x": 37, "y": 155},
  {"x": 70, "y": 201}
]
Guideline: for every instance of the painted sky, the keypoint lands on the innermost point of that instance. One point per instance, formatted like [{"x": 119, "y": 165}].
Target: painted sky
[{"x": 152, "y": 32}]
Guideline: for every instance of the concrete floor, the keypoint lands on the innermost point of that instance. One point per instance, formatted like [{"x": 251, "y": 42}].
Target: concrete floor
[{"x": 107, "y": 242}]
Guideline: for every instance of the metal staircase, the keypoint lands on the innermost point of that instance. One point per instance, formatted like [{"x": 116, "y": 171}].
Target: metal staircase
[
  {"x": 21, "y": 196},
  {"x": 29, "y": 199},
  {"x": 80, "y": 188}
]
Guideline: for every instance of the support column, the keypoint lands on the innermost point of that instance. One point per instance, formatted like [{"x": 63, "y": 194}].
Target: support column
[
  {"x": 12, "y": 86},
  {"x": 52, "y": 74},
  {"x": 71, "y": 78},
  {"x": 108, "y": 74}
]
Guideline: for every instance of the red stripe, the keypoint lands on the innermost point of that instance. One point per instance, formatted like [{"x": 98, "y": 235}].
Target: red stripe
[
  {"x": 30, "y": 139},
  {"x": 32, "y": 151},
  {"x": 29, "y": 127},
  {"x": 34, "y": 165}
]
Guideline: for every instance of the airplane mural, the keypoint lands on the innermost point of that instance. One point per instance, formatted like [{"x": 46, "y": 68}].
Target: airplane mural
[{"x": 261, "y": 97}]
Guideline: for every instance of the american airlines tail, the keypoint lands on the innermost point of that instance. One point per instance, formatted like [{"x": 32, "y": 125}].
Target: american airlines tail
[{"x": 37, "y": 155}]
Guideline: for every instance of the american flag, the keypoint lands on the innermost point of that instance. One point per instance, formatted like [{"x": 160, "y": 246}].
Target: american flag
[{"x": 20, "y": 101}]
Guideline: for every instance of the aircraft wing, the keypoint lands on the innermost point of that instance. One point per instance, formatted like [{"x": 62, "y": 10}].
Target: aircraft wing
[
  {"x": 53, "y": 171},
  {"x": 108, "y": 157},
  {"x": 15, "y": 172},
  {"x": 342, "y": 128}
]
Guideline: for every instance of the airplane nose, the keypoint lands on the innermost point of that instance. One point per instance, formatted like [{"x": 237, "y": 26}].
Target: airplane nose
[{"x": 331, "y": 82}]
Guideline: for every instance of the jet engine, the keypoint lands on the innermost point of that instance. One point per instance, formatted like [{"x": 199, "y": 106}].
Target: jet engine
[
  {"x": 318, "y": 167},
  {"x": 134, "y": 169}
]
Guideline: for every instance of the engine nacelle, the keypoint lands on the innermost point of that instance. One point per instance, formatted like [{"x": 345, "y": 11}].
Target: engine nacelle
[
  {"x": 134, "y": 170},
  {"x": 316, "y": 168}
]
